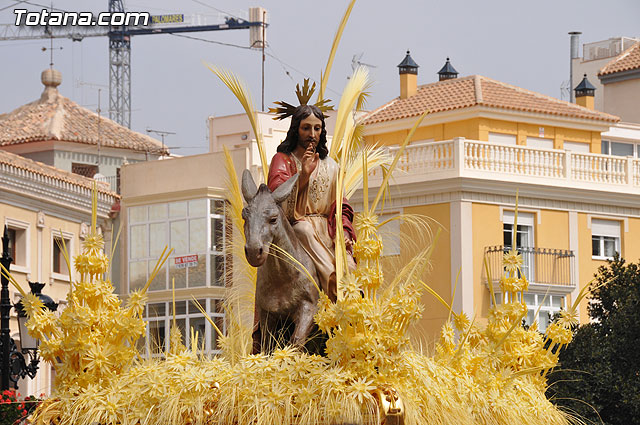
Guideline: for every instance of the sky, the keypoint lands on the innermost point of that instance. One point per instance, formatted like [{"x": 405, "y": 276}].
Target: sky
[{"x": 524, "y": 43}]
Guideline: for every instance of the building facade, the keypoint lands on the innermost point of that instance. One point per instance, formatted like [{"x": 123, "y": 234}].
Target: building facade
[
  {"x": 179, "y": 204},
  {"x": 483, "y": 142},
  {"x": 595, "y": 56},
  {"x": 42, "y": 206},
  {"x": 56, "y": 131}
]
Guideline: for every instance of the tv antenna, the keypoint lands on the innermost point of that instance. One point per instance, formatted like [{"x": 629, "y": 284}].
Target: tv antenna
[
  {"x": 356, "y": 62},
  {"x": 565, "y": 91},
  {"x": 162, "y": 134}
]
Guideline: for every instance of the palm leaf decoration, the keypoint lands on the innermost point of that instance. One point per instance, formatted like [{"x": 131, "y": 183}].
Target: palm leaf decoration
[
  {"x": 241, "y": 91},
  {"x": 334, "y": 49},
  {"x": 304, "y": 95}
]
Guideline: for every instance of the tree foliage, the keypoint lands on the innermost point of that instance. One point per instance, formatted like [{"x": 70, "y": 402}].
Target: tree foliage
[{"x": 598, "y": 378}]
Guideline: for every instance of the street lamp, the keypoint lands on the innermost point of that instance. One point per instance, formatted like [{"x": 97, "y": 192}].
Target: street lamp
[{"x": 13, "y": 362}]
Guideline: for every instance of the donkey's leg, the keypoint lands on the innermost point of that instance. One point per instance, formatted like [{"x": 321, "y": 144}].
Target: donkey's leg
[
  {"x": 303, "y": 320},
  {"x": 268, "y": 330}
]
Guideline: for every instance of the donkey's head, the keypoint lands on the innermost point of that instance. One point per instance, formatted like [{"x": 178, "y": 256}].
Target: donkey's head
[{"x": 262, "y": 216}]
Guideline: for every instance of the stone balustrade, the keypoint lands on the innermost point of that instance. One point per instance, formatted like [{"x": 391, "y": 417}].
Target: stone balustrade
[{"x": 461, "y": 157}]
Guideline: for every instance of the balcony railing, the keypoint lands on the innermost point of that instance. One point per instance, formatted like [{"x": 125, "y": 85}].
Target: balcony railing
[
  {"x": 541, "y": 266},
  {"x": 521, "y": 164},
  {"x": 112, "y": 181}
]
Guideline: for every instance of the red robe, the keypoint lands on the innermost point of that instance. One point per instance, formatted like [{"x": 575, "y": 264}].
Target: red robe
[{"x": 283, "y": 167}]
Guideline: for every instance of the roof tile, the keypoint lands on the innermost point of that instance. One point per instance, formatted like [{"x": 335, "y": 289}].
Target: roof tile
[
  {"x": 27, "y": 164},
  {"x": 478, "y": 90},
  {"x": 55, "y": 117},
  {"x": 625, "y": 61}
]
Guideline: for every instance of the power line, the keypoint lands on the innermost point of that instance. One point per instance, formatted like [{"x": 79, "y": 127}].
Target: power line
[
  {"x": 284, "y": 64},
  {"x": 216, "y": 9},
  {"x": 12, "y": 5},
  {"x": 271, "y": 55},
  {"x": 46, "y": 7},
  {"x": 211, "y": 41}
]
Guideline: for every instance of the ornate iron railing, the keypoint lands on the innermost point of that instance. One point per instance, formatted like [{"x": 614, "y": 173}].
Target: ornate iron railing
[{"x": 543, "y": 266}]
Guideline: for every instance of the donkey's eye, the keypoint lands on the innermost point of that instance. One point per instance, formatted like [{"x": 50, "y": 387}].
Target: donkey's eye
[{"x": 273, "y": 220}]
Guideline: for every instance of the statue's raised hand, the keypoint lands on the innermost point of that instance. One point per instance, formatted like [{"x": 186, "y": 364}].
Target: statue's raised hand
[{"x": 309, "y": 163}]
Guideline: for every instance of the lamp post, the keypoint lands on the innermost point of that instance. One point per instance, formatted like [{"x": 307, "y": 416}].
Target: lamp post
[{"x": 13, "y": 362}]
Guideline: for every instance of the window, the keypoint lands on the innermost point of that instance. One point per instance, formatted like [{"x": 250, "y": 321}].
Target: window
[
  {"x": 218, "y": 237},
  {"x": 619, "y": 148},
  {"x": 188, "y": 317},
  {"x": 12, "y": 244},
  {"x": 195, "y": 229},
  {"x": 539, "y": 142},
  {"x": 578, "y": 147},
  {"x": 59, "y": 266},
  {"x": 87, "y": 170},
  {"x": 542, "y": 308},
  {"x": 502, "y": 139},
  {"x": 605, "y": 238},
  {"x": 18, "y": 244},
  {"x": 524, "y": 239}
]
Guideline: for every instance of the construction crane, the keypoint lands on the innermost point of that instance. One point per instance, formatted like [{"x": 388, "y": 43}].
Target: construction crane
[{"x": 120, "y": 44}]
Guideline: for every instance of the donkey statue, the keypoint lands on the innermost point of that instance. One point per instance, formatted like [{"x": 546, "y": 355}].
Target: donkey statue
[{"x": 286, "y": 300}]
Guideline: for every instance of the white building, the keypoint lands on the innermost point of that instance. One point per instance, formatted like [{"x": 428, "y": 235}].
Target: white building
[{"x": 40, "y": 204}]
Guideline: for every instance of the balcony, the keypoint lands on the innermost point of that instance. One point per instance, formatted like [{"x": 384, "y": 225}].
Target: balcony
[
  {"x": 430, "y": 161},
  {"x": 546, "y": 269},
  {"x": 113, "y": 182}
]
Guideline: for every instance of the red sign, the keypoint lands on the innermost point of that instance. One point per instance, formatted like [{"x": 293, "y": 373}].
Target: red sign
[{"x": 186, "y": 261}]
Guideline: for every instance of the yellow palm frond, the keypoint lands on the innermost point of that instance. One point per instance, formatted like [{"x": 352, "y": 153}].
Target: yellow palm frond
[
  {"x": 159, "y": 264},
  {"x": 114, "y": 245},
  {"x": 240, "y": 298},
  {"x": 206, "y": 316},
  {"x": 413, "y": 268},
  {"x": 435, "y": 294},
  {"x": 62, "y": 246},
  {"x": 375, "y": 157},
  {"x": 345, "y": 124},
  {"x": 12, "y": 280},
  {"x": 404, "y": 144},
  {"x": 334, "y": 49},
  {"x": 516, "y": 324},
  {"x": 490, "y": 281},
  {"x": 241, "y": 91},
  {"x": 234, "y": 193},
  {"x": 285, "y": 256},
  {"x": 341, "y": 144}
]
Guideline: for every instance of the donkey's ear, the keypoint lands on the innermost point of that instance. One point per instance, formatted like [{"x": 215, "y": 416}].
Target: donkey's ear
[
  {"x": 284, "y": 190},
  {"x": 249, "y": 188}
]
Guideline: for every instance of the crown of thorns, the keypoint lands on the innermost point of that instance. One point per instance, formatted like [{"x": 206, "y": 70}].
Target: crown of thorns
[{"x": 286, "y": 110}]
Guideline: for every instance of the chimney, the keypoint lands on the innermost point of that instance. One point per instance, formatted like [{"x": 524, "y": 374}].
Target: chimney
[
  {"x": 447, "y": 72},
  {"x": 585, "y": 92},
  {"x": 408, "y": 77},
  {"x": 573, "y": 54}
]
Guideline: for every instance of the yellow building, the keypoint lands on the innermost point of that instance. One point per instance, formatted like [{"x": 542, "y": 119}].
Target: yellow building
[
  {"x": 483, "y": 141},
  {"x": 39, "y": 205}
]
